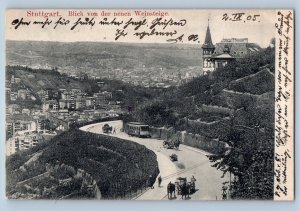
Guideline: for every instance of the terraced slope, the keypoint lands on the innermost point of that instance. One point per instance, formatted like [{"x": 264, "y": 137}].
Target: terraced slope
[{"x": 79, "y": 164}]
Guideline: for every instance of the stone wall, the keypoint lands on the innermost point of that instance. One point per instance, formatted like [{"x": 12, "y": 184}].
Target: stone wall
[
  {"x": 210, "y": 129},
  {"x": 155, "y": 132},
  {"x": 201, "y": 142},
  {"x": 194, "y": 140},
  {"x": 216, "y": 109}
]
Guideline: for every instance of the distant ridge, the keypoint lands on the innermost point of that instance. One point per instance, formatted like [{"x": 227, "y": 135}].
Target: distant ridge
[{"x": 88, "y": 56}]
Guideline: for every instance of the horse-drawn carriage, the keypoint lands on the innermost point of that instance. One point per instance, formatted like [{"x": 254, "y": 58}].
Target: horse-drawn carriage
[
  {"x": 180, "y": 183},
  {"x": 183, "y": 187},
  {"x": 106, "y": 128},
  {"x": 171, "y": 144}
]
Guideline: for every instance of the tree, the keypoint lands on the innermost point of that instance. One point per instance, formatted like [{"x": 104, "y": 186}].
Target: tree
[{"x": 249, "y": 160}]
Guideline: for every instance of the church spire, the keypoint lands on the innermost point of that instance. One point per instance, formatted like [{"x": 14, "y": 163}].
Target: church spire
[{"x": 208, "y": 42}]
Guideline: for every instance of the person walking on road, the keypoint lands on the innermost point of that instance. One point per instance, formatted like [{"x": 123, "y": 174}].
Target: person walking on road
[
  {"x": 114, "y": 131},
  {"x": 159, "y": 181},
  {"x": 193, "y": 179},
  {"x": 193, "y": 185}
]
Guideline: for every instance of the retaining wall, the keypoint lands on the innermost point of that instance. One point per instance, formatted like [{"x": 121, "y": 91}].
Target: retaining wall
[{"x": 194, "y": 140}]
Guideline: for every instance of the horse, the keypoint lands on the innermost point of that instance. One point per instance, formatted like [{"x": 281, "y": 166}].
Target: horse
[
  {"x": 176, "y": 144},
  {"x": 165, "y": 144},
  {"x": 107, "y": 129},
  {"x": 170, "y": 190}
]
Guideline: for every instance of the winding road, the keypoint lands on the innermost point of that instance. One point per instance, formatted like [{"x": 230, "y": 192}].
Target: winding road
[{"x": 191, "y": 161}]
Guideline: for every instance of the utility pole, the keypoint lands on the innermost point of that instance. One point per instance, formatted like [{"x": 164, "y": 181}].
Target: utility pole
[
  {"x": 229, "y": 189},
  {"x": 44, "y": 127}
]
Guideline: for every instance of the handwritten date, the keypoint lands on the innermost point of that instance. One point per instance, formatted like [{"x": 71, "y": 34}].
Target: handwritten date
[{"x": 241, "y": 17}]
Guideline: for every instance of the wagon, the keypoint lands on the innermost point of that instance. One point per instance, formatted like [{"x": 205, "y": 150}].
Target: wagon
[
  {"x": 106, "y": 128},
  {"x": 180, "y": 181},
  {"x": 170, "y": 144},
  {"x": 173, "y": 157}
]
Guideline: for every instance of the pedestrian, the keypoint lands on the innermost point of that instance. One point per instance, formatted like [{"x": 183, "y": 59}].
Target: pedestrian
[
  {"x": 193, "y": 185},
  {"x": 159, "y": 181},
  {"x": 193, "y": 179},
  {"x": 150, "y": 182},
  {"x": 114, "y": 131}
]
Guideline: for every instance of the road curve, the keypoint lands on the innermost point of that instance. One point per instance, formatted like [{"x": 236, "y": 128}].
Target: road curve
[{"x": 191, "y": 161}]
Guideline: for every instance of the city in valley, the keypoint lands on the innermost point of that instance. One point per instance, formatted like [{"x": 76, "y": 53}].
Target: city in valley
[
  {"x": 39, "y": 109},
  {"x": 99, "y": 120}
]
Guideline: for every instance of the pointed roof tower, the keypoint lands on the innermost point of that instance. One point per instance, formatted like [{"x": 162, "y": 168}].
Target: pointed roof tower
[{"x": 208, "y": 42}]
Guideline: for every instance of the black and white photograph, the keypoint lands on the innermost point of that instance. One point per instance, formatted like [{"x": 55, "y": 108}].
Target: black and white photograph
[{"x": 156, "y": 104}]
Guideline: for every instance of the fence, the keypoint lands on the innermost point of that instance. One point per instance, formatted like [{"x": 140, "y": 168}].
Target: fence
[{"x": 125, "y": 190}]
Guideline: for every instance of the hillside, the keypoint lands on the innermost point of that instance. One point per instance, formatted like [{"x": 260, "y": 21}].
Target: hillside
[
  {"x": 244, "y": 83},
  {"x": 35, "y": 80},
  {"x": 76, "y": 164},
  {"x": 235, "y": 105},
  {"x": 258, "y": 83},
  {"x": 98, "y": 57}
]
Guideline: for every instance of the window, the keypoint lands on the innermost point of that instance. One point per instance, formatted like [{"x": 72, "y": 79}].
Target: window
[
  {"x": 205, "y": 63},
  {"x": 144, "y": 128}
]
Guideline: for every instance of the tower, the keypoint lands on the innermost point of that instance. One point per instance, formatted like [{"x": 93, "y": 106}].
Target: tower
[{"x": 207, "y": 51}]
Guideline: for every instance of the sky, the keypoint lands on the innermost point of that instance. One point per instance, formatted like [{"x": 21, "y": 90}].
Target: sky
[{"x": 259, "y": 31}]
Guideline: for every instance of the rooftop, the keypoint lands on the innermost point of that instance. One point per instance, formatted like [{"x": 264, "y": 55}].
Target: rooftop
[
  {"x": 208, "y": 41},
  {"x": 136, "y": 123}
]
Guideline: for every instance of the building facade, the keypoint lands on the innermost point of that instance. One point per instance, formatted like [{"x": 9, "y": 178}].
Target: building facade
[
  {"x": 22, "y": 142},
  {"x": 208, "y": 50},
  {"x": 221, "y": 54}
]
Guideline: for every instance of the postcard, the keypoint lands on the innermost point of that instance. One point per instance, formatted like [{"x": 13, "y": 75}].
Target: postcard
[{"x": 149, "y": 104}]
